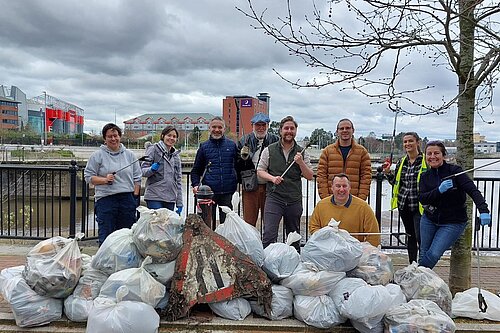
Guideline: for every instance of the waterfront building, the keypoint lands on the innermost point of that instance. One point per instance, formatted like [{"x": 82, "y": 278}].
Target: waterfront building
[{"x": 151, "y": 123}]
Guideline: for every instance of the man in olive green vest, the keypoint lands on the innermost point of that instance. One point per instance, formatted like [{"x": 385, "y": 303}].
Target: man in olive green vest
[{"x": 282, "y": 165}]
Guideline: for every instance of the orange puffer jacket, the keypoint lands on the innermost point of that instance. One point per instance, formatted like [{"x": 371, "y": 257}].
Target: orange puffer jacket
[{"x": 357, "y": 167}]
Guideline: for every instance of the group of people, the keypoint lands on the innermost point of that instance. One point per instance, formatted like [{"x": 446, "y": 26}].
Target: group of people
[{"x": 429, "y": 197}]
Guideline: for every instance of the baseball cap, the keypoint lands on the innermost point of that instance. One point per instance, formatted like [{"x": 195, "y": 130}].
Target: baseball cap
[{"x": 260, "y": 118}]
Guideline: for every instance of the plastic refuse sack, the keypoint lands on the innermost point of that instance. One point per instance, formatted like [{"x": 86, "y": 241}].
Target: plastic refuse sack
[
  {"x": 235, "y": 309},
  {"x": 308, "y": 280},
  {"x": 162, "y": 273},
  {"x": 243, "y": 235},
  {"x": 465, "y": 304},
  {"x": 366, "y": 307},
  {"x": 86, "y": 261},
  {"x": 141, "y": 286},
  {"x": 158, "y": 234},
  {"x": 280, "y": 260},
  {"x": 317, "y": 311},
  {"x": 78, "y": 305},
  {"x": 375, "y": 267},
  {"x": 117, "y": 252},
  {"x": 343, "y": 289},
  {"x": 53, "y": 266},
  {"x": 418, "y": 315},
  {"x": 29, "y": 308},
  {"x": 397, "y": 295},
  {"x": 418, "y": 282},
  {"x": 332, "y": 249},
  {"x": 281, "y": 306},
  {"x": 122, "y": 316}
]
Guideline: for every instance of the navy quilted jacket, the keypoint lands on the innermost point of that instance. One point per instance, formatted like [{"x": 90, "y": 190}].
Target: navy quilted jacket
[{"x": 221, "y": 174}]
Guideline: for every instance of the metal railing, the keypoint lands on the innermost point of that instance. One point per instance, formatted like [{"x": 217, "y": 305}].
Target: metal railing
[{"x": 39, "y": 202}]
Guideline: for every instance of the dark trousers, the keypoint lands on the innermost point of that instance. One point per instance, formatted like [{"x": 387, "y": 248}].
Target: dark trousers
[
  {"x": 273, "y": 212},
  {"x": 220, "y": 200},
  {"x": 411, "y": 221},
  {"x": 115, "y": 212},
  {"x": 156, "y": 204}
]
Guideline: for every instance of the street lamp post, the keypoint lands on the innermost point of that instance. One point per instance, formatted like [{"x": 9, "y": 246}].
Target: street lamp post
[{"x": 42, "y": 133}]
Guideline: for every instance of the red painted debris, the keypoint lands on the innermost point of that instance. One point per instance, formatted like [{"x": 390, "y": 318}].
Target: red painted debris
[{"x": 211, "y": 269}]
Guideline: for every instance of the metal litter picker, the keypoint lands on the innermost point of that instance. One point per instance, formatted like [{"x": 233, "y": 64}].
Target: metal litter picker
[{"x": 480, "y": 299}]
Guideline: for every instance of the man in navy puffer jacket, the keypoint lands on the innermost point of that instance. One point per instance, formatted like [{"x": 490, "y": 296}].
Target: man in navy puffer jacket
[{"x": 222, "y": 154}]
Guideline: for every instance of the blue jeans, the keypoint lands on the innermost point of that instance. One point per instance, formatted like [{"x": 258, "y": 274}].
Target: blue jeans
[
  {"x": 156, "y": 204},
  {"x": 435, "y": 239},
  {"x": 115, "y": 212}
]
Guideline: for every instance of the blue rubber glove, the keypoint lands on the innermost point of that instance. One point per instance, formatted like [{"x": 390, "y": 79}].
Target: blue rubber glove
[
  {"x": 155, "y": 166},
  {"x": 485, "y": 218},
  {"x": 445, "y": 185},
  {"x": 179, "y": 210}
]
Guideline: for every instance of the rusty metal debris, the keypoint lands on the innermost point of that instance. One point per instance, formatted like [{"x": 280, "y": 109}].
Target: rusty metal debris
[{"x": 211, "y": 269}]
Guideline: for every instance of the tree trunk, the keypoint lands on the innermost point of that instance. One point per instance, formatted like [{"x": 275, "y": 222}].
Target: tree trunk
[{"x": 460, "y": 263}]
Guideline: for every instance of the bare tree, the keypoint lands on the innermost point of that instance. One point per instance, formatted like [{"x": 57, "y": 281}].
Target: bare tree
[{"x": 371, "y": 46}]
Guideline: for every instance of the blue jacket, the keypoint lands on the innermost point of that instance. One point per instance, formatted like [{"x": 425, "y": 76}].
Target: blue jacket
[
  {"x": 221, "y": 174},
  {"x": 449, "y": 207}
]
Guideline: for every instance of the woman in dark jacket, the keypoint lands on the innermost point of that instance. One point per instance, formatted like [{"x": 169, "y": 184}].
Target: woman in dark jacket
[{"x": 445, "y": 214}]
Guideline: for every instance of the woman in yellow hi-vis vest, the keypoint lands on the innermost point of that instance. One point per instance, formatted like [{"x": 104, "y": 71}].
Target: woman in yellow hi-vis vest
[{"x": 405, "y": 190}]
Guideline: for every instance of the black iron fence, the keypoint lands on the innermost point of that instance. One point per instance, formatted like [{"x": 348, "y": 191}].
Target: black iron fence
[{"x": 39, "y": 202}]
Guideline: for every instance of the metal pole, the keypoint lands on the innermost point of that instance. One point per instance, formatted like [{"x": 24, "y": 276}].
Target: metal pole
[
  {"x": 72, "y": 199},
  {"x": 378, "y": 196}
]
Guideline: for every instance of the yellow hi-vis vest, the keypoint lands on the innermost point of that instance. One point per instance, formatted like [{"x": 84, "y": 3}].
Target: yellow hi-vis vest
[{"x": 395, "y": 187}]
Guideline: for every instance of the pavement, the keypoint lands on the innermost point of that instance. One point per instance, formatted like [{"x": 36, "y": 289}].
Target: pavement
[{"x": 13, "y": 253}]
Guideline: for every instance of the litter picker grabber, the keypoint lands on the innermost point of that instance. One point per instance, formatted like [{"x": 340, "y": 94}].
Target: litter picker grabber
[
  {"x": 480, "y": 299},
  {"x": 469, "y": 170},
  {"x": 140, "y": 159},
  {"x": 293, "y": 162},
  {"x": 393, "y": 139},
  {"x": 396, "y": 235}
]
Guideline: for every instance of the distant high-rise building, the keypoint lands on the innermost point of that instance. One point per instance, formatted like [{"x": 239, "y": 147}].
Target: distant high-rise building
[{"x": 238, "y": 119}]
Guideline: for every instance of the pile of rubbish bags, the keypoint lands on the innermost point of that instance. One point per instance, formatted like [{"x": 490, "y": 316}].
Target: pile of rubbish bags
[{"x": 334, "y": 279}]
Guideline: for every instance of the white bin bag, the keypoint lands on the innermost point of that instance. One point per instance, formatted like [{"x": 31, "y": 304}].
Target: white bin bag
[
  {"x": 243, "y": 235},
  {"x": 317, "y": 311},
  {"x": 141, "y": 286},
  {"x": 366, "y": 307},
  {"x": 53, "y": 266},
  {"x": 29, "y": 308},
  {"x": 235, "y": 309},
  {"x": 280, "y": 260},
  {"x": 418, "y": 282},
  {"x": 158, "y": 234},
  {"x": 466, "y": 304},
  {"x": 332, "y": 249},
  {"x": 418, "y": 315},
  {"x": 108, "y": 316},
  {"x": 375, "y": 267},
  {"x": 307, "y": 280},
  {"x": 117, "y": 252},
  {"x": 78, "y": 305},
  {"x": 281, "y": 305}
]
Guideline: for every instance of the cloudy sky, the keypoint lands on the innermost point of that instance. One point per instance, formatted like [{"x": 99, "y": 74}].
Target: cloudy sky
[{"x": 134, "y": 57}]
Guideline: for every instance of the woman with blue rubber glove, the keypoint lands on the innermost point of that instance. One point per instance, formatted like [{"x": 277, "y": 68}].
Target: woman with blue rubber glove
[
  {"x": 164, "y": 173},
  {"x": 445, "y": 212}
]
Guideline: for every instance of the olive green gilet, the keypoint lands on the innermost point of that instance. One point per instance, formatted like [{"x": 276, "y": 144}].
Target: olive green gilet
[
  {"x": 290, "y": 190},
  {"x": 395, "y": 187}
]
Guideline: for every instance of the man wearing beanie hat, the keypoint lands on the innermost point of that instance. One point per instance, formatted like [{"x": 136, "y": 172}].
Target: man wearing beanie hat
[{"x": 251, "y": 146}]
